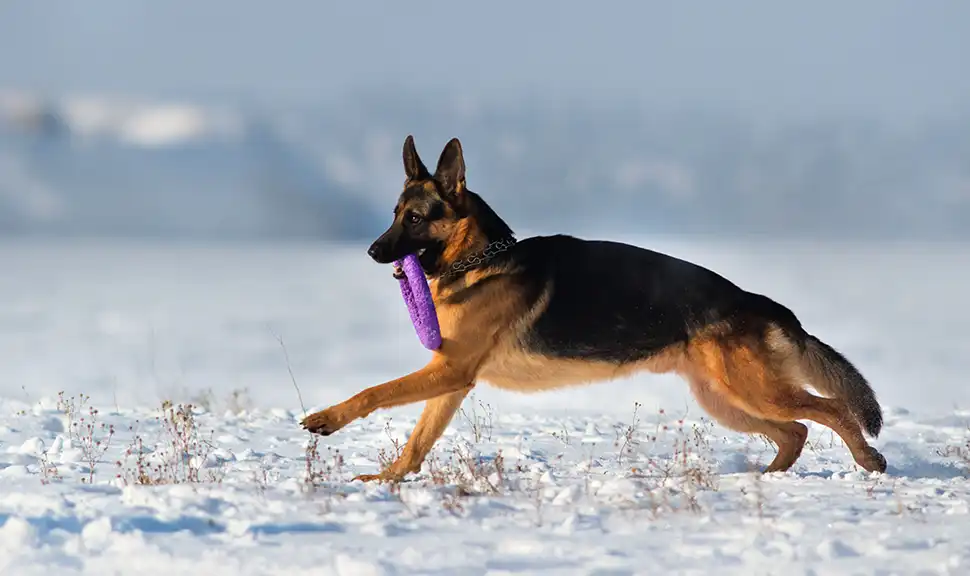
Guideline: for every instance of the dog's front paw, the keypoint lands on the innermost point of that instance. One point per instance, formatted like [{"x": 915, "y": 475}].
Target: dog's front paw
[
  {"x": 382, "y": 478},
  {"x": 389, "y": 475},
  {"x": 407, "y": 463},
  {"x": 324, "y": 422}
]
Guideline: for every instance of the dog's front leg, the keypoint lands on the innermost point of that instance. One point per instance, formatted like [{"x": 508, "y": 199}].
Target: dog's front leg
[
  {"x": 439, "y": 377},
  {"x": 436, "y": 416}
]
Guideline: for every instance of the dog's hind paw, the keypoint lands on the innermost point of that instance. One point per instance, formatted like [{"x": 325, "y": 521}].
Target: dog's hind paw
[{"x": 873, "y": 461}]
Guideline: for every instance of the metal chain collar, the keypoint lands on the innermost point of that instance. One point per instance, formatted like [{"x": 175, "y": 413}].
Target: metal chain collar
[{"x": 479, "y": 258}]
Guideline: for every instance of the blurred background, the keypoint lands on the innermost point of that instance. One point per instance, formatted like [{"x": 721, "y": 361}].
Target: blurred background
[
  {"x": 246, "y": 120},
  {"x": 182, "y": 183}
]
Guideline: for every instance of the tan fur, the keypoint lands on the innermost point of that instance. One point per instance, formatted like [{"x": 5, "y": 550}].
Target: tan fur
[
  {"x": 513, "y": 369},
  {"x": 788, "y": 436},
  {"x": 747, "y": 383},
  {"x": 436, "y": 416},
  {"x": 468, "y": 334},
  {"x": 461, "y": 239},
  {"x": 760, "y": 379}
]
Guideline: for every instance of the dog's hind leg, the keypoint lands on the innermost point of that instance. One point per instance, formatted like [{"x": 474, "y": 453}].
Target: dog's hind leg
[
  {"x": 836, "y": 415},
  {"x": 763, "y": 385},
  {"x": 436, "y": 416},
  {"x": 789, "y": 437}
]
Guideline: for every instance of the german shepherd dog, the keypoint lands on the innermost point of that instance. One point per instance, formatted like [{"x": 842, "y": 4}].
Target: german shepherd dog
[{"x": 553, "y": 311}]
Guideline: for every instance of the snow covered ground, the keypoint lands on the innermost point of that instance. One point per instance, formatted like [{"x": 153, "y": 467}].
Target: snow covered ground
[{"x": 619, "y": 478}]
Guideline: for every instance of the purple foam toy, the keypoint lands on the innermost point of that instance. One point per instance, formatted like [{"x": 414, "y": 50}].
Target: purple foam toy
[{"x": 417, "y": 295}]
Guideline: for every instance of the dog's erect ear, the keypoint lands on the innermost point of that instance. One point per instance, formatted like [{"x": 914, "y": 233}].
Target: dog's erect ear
[
  {"x": 413, "y": 167},
  {"x": 450, "y": 173}
]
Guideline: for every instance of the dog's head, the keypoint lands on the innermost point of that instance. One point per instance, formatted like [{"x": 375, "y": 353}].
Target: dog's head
[{"x": 430, "y": 212}]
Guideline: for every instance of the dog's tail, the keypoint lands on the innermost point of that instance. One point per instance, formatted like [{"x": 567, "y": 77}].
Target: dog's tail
[
  {"x": 827, "y": 370},
  {"x": 833, "y": 375}
]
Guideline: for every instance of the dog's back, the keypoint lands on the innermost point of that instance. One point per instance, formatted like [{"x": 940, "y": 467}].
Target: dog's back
[{"x": 615, "y": 302}]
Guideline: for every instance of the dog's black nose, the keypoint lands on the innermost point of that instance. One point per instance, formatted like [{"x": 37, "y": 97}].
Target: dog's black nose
[{"x": 374, "y": 251}]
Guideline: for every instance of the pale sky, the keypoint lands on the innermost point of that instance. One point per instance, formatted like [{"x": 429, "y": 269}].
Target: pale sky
[{"x": 889, "y": 59}]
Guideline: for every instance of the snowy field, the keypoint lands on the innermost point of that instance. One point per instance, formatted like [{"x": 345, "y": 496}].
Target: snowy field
[{"x": 618, "y": 478}]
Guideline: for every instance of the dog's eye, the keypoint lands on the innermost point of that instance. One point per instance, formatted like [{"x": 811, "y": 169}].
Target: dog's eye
[{"x": 414, "y": 218}]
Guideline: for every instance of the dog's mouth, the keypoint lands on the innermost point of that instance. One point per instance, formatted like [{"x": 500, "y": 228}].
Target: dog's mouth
[{"x": 398, "y": 272}]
